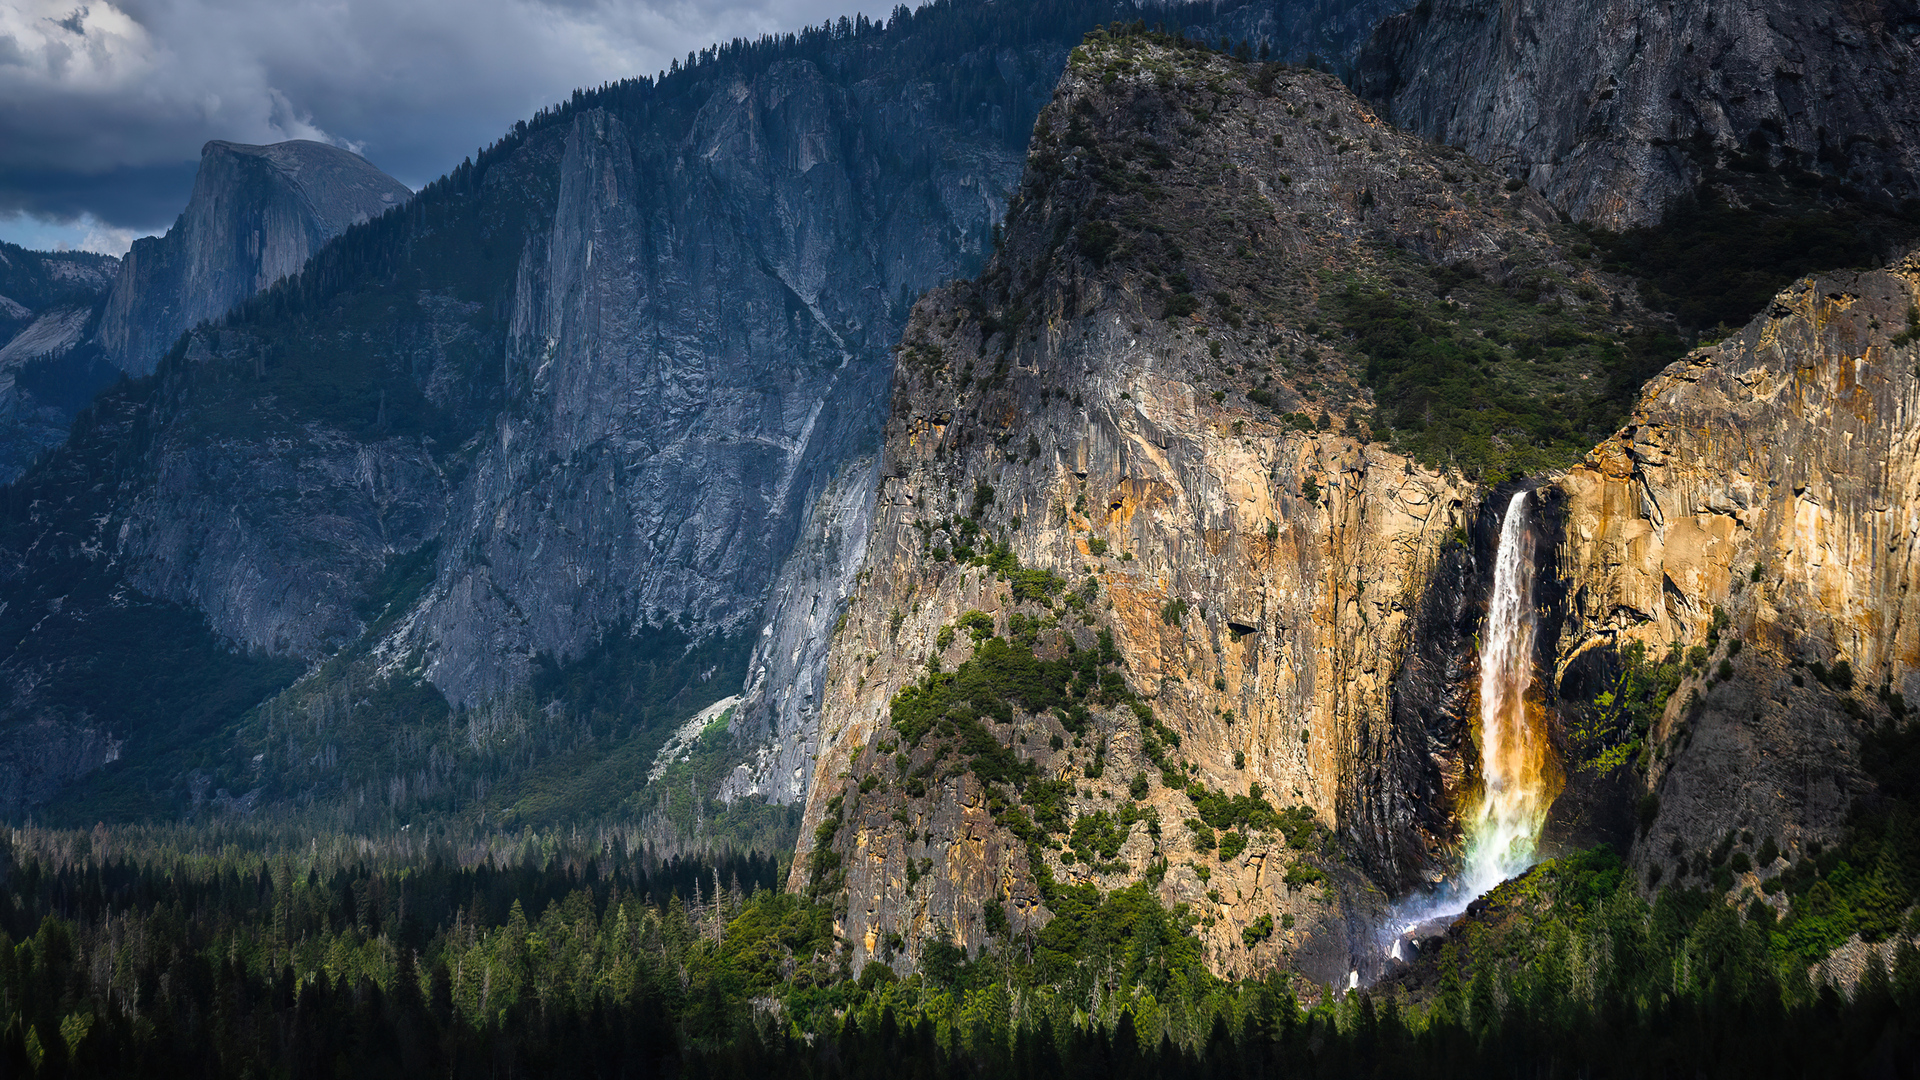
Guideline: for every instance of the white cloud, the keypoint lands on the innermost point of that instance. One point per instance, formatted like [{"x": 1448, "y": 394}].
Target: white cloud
[
  {"x": 104, "y": 239},
  {"x": 85, "y": 233}
]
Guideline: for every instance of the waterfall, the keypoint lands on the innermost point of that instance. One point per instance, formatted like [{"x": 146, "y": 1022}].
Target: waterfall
[
  {"x": 1517, "y": 779},
  {"x": 1518, "y": 774}
]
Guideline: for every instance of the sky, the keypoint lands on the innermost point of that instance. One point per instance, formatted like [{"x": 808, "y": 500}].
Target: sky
[{"x": 104, "y": 106}]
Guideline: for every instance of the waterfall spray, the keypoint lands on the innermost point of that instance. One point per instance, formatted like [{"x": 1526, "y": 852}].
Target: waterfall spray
[{"x": 1518, "y": 776}]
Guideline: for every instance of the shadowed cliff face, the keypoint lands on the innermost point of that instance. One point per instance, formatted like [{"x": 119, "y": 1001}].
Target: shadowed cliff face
[
  {"x": 50, "y": 305},
  {"x": 1081, "y": 463},
  {"x": 272, "y": 536},
  {"x": 682, "y": 376},
  {"x": 1617, "y": 110},
  {"x": 1773, "y": 477},
  {"x": 787, "y": 676},
  {"x": 688, "y": 366}
]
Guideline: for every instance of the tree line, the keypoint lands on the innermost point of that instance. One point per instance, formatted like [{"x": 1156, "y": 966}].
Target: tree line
[{"x": 236, "y": 956}]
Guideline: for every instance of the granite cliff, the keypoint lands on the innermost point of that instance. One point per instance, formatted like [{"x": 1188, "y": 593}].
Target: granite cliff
[
  {"x": 1759, "y": 507},
  {"x": 1618, "y": 111},
  {"x": 1121, "y": 576},
  {"x": 1131, "y": 612}
]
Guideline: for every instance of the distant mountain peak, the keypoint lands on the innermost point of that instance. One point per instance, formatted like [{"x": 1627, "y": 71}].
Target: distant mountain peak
[{"x": 256, "y": 215}]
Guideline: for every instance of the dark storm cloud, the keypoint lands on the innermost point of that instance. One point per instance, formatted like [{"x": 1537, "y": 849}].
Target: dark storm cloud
[
  {"x": 104, "y": 106},
  {"x": 126, "y": 195}
]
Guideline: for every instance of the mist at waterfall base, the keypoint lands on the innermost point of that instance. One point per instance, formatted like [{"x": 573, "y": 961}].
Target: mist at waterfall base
[{"x": 1517, "y": 780}]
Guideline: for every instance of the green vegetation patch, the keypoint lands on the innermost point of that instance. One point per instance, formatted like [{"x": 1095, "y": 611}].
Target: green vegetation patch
[
  {"x": 156, "y": 675},
  {"x": 1613, "y": 731},
  {"x": 1491, "y": 379},
  {"x": 1097, "y": 837},
  {"x": 1868, "y": 883},
  {"x": 622, "y": 700},
  {"x": 1127, "y": 931},
  {"x": 686, "y": 796},
  {"x": 1001, "y": 675}
]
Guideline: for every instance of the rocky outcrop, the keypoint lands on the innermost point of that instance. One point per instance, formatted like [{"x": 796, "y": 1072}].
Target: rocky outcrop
[
  {"x": 33, "y": 283},
  {"x": 1772, "y": 477},
  {"x": 257, "y": 213},
  {"x": 47, "y": 371},
  {"x": 1617, "y": 110},
  {"x": 1069, "y": 417}
]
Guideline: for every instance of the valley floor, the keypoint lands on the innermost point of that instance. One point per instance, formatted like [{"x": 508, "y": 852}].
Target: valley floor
[{"x": 132, "y": 953}]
